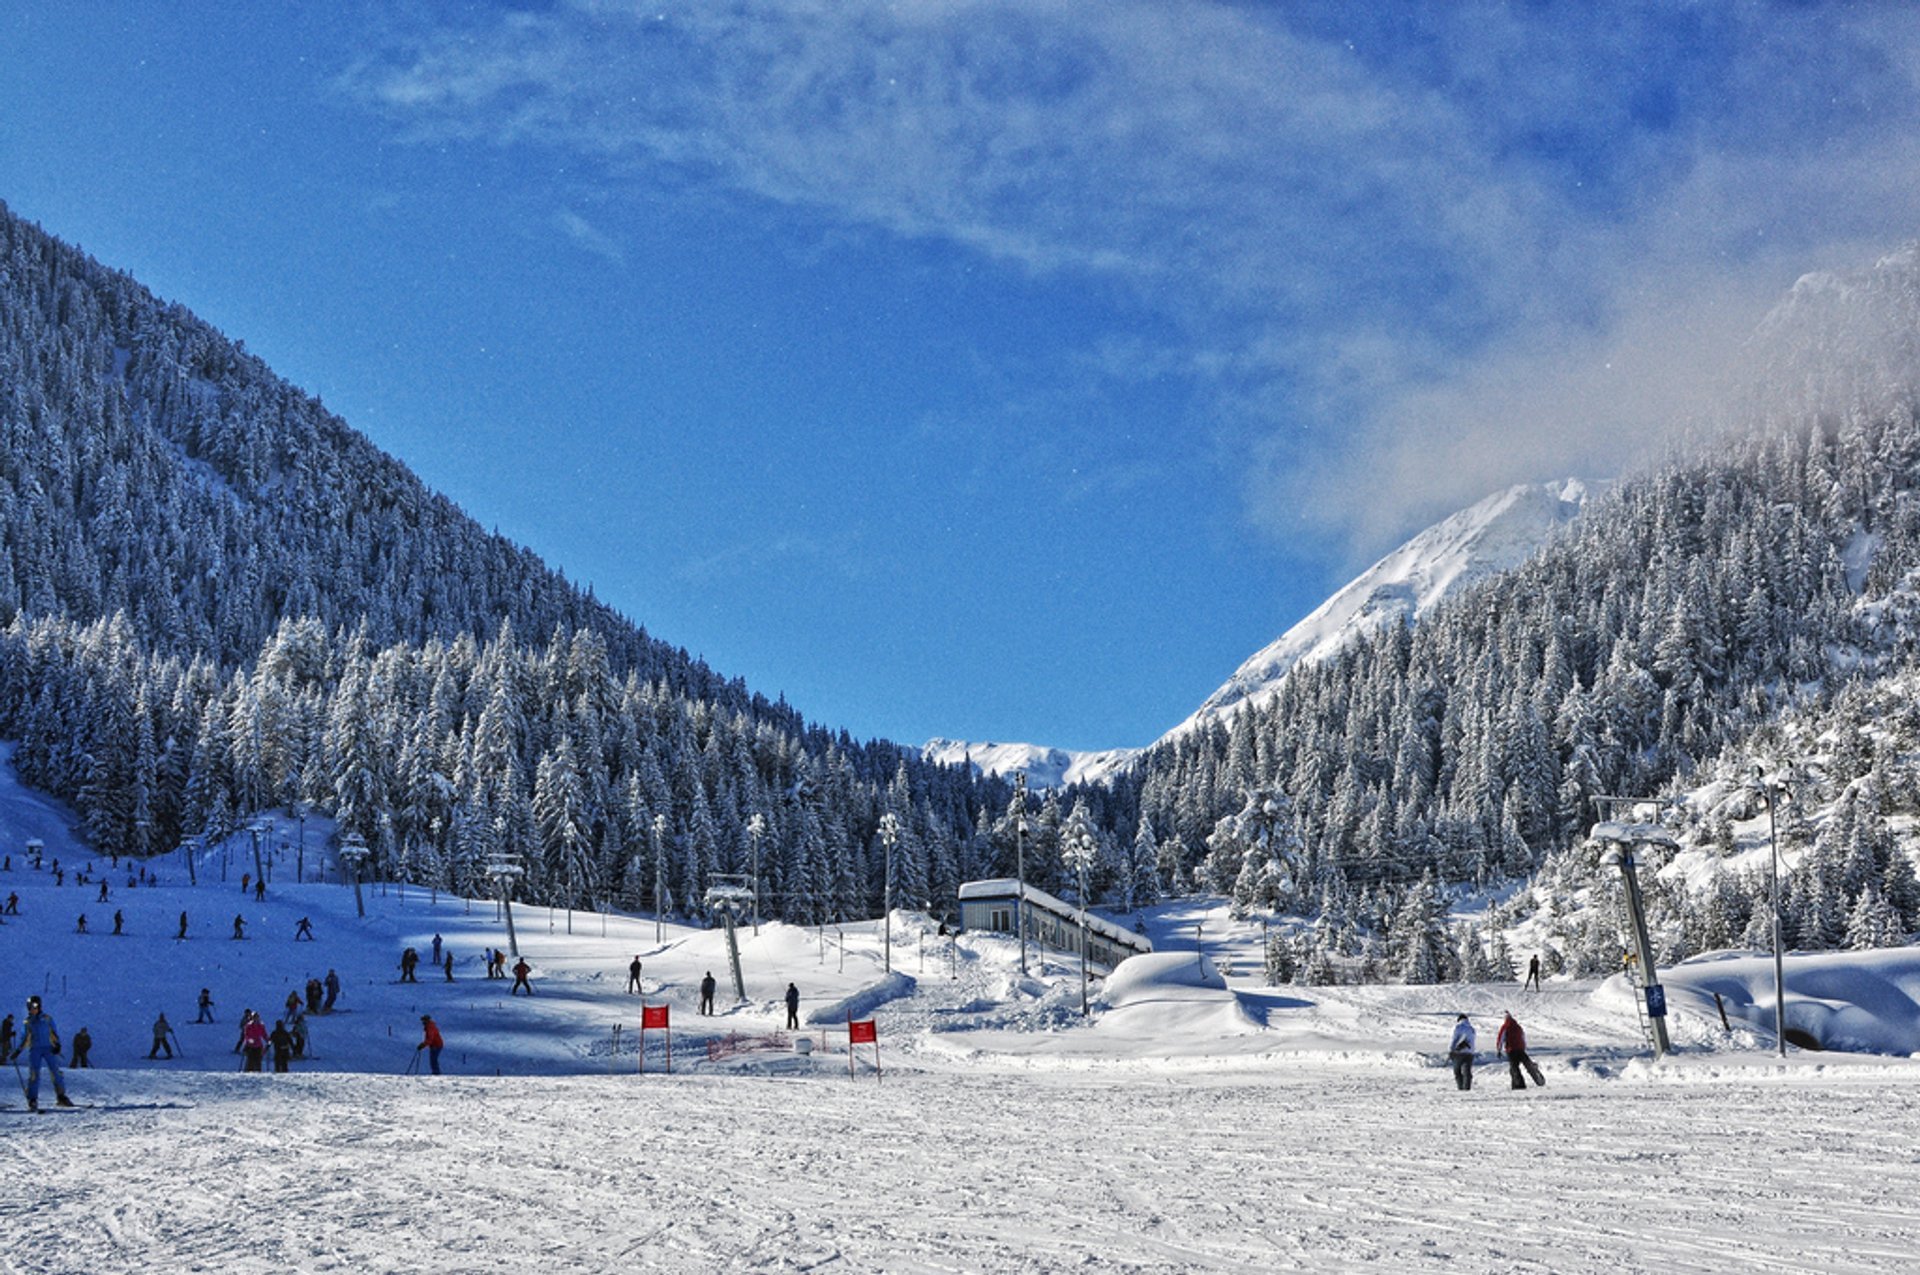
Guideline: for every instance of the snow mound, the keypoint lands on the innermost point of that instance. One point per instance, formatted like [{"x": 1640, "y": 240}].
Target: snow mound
[
  {"x": 1156, "y": 975},
  {"x": 1860, "y": 1002}
]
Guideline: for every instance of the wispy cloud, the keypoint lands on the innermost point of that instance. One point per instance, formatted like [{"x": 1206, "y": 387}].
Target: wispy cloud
[
  {"x": 1408, "y": 258},
  {"x": 589, "y": 238}
]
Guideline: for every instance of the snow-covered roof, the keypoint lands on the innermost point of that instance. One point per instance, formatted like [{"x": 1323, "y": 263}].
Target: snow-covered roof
[{"x": 1011, "y": 888}]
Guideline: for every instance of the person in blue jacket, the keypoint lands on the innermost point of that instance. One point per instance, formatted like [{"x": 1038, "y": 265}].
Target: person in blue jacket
[{"x": 40, "y": 1041}]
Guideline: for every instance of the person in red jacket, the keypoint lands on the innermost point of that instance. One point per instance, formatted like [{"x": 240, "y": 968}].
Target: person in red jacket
[
  {"x": 1512, "y": 1041},
  {"x": 253, "y": 1041},
  {"x": 431, "y": 1041}
]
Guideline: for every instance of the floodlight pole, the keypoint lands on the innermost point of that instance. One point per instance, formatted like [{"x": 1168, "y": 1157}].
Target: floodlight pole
[
  {"x": 1768, "y": 789},
  {"x": 889, "y": 835},
  {"x": 756, "y": 829},
  {"x": 1020, "y": 862}
]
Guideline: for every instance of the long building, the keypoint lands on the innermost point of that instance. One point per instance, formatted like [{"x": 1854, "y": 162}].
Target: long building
[{"x": 994, "y": 906}]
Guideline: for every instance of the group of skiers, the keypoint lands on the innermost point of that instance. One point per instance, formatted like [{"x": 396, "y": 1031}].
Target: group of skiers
[{"x": 1510, "y": 1042}]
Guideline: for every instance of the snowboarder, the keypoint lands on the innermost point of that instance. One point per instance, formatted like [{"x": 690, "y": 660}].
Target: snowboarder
[
  {"x": 436, "y": 949},
  {"x": 40, "y": 1041},
  {"x": 333, "y": 991},
  {"x": 633, "y": 976},
  {"x": 161, "y": 1031},
  {"x": 706, "y": 993},
  {"x": 239, "y": 926},
  {"x": 183, "y": 927},
  {"x": 282, "y": 1041},
  {"x": 1512, "y": 1041},
  {"x": 520, "y": 971},
  {"x": 1460, "y": 1050},
  {"x": 253, "y": 1040},
  {"x": 303, "y": 929},
  {"x": 82, "y": 1048},
  {"x": 118, "y": 922},
  {"x": 206, "y": 1006},
  {"x": 430, "y": 1041},
  {"x": 1533, "y": 973},
  {"x": 793, "y": 1006}
]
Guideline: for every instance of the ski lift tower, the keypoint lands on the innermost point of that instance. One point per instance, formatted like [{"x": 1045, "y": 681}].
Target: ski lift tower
[
  {"x": 732, "y": 898},
  {"x": 505, "y": 869},
  {"x": 1619, "y": 840},
  {"x": 353, "y": 853}
]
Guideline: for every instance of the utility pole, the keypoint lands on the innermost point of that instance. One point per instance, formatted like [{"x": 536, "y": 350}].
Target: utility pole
[
  {"x": 1771, "y": 791},
  {"x": 889, "y": 836},
  {"x": 1080, "y": 850},
  {"x": 756, "y": 829},
  {"x": 1020, "y": 862}
]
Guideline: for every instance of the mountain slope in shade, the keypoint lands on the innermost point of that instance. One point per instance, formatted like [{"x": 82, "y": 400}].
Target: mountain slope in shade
[
  {"x": 1493, "y": 536},
  {"x": 1045, "y": 767}
]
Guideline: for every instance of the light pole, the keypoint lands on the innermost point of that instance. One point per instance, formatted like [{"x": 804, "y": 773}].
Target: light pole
[
  {"x": 889, "y": 837},
  {"x": 659, "y": 872},
  {"x": 259, "y": 868},
  {"x": 1079, "y": 850},
  {"x": 756, "y": 829},
  {"x": 1020, "y": 862},
  {"x": 192, "y": 846},
  {"x": 1769, "y": 791},
  {"x": 353, "y": 853},
  {"x": 300, "y": 855}
]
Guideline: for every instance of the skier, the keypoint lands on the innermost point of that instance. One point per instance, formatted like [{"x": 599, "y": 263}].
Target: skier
[
  {"x": 282, "y": 1042},
  {"x": 103, "y": 892},
  {"x": 13, "y": 903},
  {"x": 239, "y": 926},
  {"x": 246, "y": 882},
  {"x": 6, "y": 1036},
  {"x": 314, "y": 993},
  {"x": 183, "y": 927},
  {"x": 118, "y": 921},
  {"x": 333, "y": 991},
  {"x": 1533, "y": 973},
  {"x": 793, "y": 1006},
  {"x": 1512, "y": 1041},
  {"x": 206, "y": 1007},
  {"x": 82, "y": 1048},
  {"x": 303, "y": 929},
  {"x": 1461, "y": 1052},
  {"x": 430, "y": 1041},
  {"x": 260, "y": 890},
  {"x": 293, "y": 1004},
  {"x": 447, "y": 961},
  {"x": 161, "y": 1030},
  {"x": 81, "y": 928},
  {"x": 706, "y": 993},
  {"x": 253, "y": 1040},
  {"x": 436, "y": 949},
  {"x": 40, "y": 1041},
  {"x": 633, "y": 977},
  {"x": 409, "y": 960},
  {"x": 520, "y": 971},
  {"x": 300, "y": 1037}
]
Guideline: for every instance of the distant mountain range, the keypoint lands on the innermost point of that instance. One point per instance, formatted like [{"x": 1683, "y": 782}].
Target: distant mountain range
[{"x": 1495, "y": 535}]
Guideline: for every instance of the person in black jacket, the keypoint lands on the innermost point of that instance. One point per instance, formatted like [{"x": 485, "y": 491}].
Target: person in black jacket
[{"x": 793, "y": 1006}]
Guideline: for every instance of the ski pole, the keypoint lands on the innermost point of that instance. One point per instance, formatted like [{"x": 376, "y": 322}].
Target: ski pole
[
  {"x": 179, "y": 1050},
  {"x": 414, "y": 1066},
  {"x": 19, "y": 1075}
]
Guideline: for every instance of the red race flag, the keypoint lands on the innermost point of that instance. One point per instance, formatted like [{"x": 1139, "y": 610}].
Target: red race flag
[
  {"x": 862, "y": 1033},
  {"x": 656, "y": 1016}
]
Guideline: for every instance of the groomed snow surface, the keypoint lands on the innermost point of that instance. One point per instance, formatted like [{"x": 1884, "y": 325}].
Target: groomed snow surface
[{"x": 1194, "y": 1122}]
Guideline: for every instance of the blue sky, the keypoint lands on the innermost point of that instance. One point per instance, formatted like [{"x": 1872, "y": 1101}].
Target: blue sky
[{"x": 994, "y": 370}]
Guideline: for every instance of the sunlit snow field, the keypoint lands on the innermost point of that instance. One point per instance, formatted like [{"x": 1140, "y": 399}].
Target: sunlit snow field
[{"x": 1193, "y": 1122}]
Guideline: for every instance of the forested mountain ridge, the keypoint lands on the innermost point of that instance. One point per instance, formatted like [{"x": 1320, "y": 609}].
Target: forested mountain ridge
[
  {"x": 218, "y": 597},
  {"x": 1662, "y": 638}
]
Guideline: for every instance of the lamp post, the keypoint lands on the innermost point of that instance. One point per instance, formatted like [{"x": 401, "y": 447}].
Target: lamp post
[
  {"x": 259, "y": 869},
  {"x": 353, "y": 853},
  {"x": 659, "y": 872},
  {"x": 889, "y": 837},
  {"x": 756, "y": 829},
  {"x": 1020, "y": 863},
  {"x": 1079, "y": 851},
  {"x": 1770, "y": 791},
  {"x": 300, "y": 855}
]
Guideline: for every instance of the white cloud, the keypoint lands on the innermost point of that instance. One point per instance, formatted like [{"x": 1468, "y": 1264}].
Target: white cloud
[
  {"x": 589, "y": 238},
  {"x": 1410, "y": 266}
]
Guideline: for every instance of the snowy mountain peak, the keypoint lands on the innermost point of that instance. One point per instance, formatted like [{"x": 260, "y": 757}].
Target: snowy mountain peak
[
  {"x": 1045, "y": 767},
  {"x": 1492, "y": 536}
]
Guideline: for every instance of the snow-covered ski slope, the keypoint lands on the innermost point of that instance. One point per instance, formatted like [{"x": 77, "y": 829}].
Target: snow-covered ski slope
[{"x": 1195, "y": 1122}]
